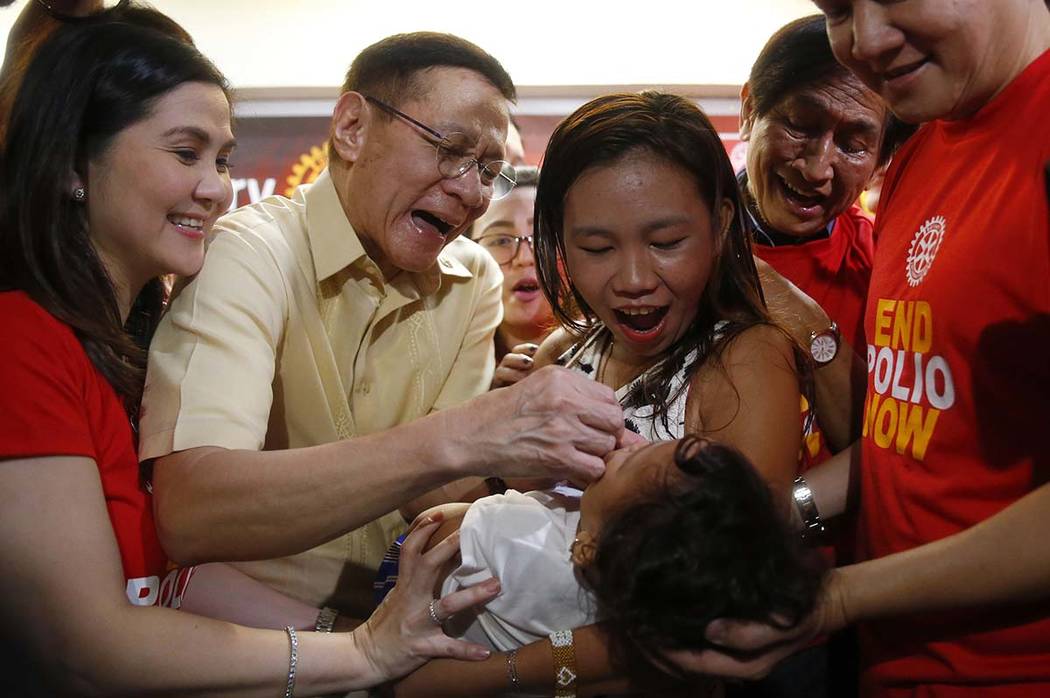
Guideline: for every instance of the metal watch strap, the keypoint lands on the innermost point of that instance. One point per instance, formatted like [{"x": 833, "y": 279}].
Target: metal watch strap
[
  {"x": 326, "y": 620},
  {"x": 812, "y": 525}
]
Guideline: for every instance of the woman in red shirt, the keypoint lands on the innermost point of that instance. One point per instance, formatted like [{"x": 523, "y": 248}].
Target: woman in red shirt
[{"x": 116, "y": 165}]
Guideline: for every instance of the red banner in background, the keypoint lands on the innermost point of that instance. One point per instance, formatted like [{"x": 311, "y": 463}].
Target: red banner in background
[{"x": 276, "y": 154}]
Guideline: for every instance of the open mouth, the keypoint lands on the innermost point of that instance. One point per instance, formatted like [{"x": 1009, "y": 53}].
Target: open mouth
[
  {"x": 192, "y": 227},
  {"x": 526, "y": 290},
  {"x": 185, "y": 222},
  {"x": 641, "y": 321},
  {"x": 425, "y": 220},
  {"x": 802, "y": 199}
]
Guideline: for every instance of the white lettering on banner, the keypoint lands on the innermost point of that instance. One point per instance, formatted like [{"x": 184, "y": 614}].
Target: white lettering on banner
[
  {"x": 255, "y": 192},
  {"x": 253, "y": 189}
]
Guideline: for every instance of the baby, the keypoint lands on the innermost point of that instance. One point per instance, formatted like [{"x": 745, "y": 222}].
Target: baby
[{"x": 674, "y": 535}]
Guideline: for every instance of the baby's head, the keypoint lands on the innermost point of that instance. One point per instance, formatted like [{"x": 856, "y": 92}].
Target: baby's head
[{"x": 679, "y": 533}]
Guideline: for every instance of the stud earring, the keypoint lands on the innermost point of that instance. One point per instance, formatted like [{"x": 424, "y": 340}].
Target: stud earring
[{"x": 79, "y": 194}]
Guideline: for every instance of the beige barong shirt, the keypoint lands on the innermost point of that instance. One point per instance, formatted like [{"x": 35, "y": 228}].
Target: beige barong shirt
[{"x": 289, "y": 337}]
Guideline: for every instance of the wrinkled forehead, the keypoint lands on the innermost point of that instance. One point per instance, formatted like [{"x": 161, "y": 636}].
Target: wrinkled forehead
[
  {"x": 460, "y": 100},
  {"x": 841, "y": 97}
]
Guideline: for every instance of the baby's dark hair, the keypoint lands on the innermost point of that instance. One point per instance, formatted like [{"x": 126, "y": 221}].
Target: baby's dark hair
[{"x": 707, "y": 543}]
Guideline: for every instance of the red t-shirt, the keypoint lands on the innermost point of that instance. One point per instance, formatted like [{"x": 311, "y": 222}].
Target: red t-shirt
[
  {"x": 54, "y": 402},
  {"x": 958, "y": 405},
  {"x": 835, "y": 271}
]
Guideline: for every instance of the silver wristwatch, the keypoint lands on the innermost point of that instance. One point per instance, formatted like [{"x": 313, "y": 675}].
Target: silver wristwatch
[
  {"x": 325, "y": 620},
  {"x": 812, "y": 526}
]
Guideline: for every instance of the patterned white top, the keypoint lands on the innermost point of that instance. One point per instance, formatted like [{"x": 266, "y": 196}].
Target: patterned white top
[{"x": 641, "y": 419}]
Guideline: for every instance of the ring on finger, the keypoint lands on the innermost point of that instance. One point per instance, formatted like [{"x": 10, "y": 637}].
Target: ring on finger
[{"x": 433, "y": 612}]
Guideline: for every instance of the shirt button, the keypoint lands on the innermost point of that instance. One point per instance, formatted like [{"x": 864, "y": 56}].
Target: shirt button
[{"x": 364, "y": 389}]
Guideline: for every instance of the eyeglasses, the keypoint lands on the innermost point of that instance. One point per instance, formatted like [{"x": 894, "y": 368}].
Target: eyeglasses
[
  {"x": 454, "y": 158},
  {"x": 504, "y": 248}
]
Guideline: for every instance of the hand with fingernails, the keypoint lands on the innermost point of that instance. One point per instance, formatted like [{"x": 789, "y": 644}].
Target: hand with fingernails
[
  {"x": 405, "y": 631},
  {"x": 515, "y": 365}
]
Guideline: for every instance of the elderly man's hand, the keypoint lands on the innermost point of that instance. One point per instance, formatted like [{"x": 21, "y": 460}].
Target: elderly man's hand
[{"x": 555, "y": 424}]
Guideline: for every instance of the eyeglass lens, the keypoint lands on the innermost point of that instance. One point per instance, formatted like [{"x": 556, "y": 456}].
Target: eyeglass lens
[
  {"x": 454, "y": 160},
  {"x": 504, "y": 248}
]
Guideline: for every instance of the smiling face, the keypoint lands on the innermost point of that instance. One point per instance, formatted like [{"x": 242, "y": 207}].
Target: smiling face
[
  {"x": 933, "y": 59},
  {"x": 810, "y": 157},
  {"x": 404, "y": 211},
  {"x": 155, "y": 192},
  {"x": 640, "y": 243}
]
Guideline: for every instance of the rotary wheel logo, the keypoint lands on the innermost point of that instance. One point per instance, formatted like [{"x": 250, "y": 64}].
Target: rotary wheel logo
[
  {"x": 924, "y": 248},
  {"x": 306, "y": 170}
]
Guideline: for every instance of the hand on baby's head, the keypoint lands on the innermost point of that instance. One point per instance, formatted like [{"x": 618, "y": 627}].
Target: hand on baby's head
[{"x": 708, "y": 543}]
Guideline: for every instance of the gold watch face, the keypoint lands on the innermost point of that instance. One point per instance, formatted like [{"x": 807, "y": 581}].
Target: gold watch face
[{"x": 823, "y": 347}]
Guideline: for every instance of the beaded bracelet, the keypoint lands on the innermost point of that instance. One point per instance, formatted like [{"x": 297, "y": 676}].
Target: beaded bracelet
[
  {"x": 293, "y": 659},
  {"x": 564, "y": 664}
]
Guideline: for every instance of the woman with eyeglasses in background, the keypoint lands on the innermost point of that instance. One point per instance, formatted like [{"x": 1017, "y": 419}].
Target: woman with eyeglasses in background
[{"x": 505, "y": 231}]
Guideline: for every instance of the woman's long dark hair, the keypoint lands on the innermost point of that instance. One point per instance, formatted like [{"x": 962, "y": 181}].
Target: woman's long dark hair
[
  {"x": 604, "y": 131},
  {"x": 88, "y": 82}
]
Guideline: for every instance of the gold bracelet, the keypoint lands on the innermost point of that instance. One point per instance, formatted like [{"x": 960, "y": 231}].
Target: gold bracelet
[{"x": 564, "y": 652}]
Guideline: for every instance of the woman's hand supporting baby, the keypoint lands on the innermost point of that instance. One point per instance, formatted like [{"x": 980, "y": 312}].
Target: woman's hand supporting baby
[{"x": 401, "y": 634}]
